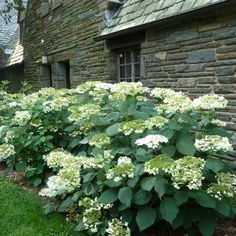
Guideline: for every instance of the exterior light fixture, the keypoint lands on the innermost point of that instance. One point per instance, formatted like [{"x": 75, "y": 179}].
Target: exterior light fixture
[{"x": 44, "y": 58}]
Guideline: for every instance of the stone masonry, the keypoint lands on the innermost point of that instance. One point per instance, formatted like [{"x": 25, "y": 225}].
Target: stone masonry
[
  {"x": 195, "y": 56},
  {"x": 198, "y": 57}
]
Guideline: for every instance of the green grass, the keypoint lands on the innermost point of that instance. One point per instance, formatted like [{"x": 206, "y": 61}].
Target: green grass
[{"x": 21, "y": 214}]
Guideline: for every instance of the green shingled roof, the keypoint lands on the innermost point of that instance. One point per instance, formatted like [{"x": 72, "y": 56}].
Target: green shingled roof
[{"x": 135, "y": 13}]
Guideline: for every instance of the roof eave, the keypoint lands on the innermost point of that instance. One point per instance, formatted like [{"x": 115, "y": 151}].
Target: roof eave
[{"x": 170, "y": 21}]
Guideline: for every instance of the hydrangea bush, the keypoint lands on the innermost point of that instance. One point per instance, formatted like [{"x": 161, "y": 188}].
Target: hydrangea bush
[{"x": 122, "y": 159}]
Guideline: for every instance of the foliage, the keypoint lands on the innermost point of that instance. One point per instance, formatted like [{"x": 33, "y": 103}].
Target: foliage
[
  {"x": 118, "y": 162},
  {"x": 22, "y": 215}
]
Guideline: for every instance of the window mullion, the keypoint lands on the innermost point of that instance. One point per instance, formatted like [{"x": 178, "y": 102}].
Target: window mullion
[{"x": 132, "y": 67}]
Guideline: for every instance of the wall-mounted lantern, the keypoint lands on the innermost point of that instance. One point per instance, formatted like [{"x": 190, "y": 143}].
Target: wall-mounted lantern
[{"x": 44, "y": 57}]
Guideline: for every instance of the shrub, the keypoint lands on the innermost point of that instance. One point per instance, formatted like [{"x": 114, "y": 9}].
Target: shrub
[{"x": 125, "y": 158}]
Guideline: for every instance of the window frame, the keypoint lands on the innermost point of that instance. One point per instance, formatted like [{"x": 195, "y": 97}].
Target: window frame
[{"x": 133, "y": 63}]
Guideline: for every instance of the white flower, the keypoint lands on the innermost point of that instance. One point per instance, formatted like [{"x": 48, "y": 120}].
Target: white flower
[
  {"x": 22, "y": 117},
  {"x": 117, "y": 228},
  {"x": 218, "y": 122},
  {"x": 152, "y": 141},
  {"x": 213, "y": 143},
  {"x": 162, "y": 93},
  {"x": 6, "y": 150},
  {"x": 124, "y": 160},
  {"x": 210, "y": 102}
]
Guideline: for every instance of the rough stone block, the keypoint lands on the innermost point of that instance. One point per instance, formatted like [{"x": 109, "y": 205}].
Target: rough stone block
[
  {"x": 208, "y": 55},
  {"x": 225, "y": 70},
  {"x": 227, "y": 79}
]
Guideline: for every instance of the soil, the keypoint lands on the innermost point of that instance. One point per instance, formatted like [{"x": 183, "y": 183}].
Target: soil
[{"x": 224, "y": 227}]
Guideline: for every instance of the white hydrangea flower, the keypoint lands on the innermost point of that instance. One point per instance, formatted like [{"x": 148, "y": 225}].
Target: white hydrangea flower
[
  {"x": 9, "y": 136},
  {"x": 22, "y": 117},
  {"x": 218, "y": 122},
  {"x": 210, "y": 102},
  {"x": 161, "y": 93},
  {"x": 116, "y": 227},
  {"x": 213, "y": 143},
  {"x": 56, "y": 104},
  {"x": 6, "y": 151},
  {"x": 152, "y": 141},
  {"x": 102, "y": 85},
  {"x": 123, "y": 169}
]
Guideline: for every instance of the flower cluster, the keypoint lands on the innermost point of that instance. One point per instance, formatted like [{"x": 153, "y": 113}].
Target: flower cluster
[
  {"x": 93, "y": 213},
  {"x": 56, "y": 104},
  {"x": 100, "y": 140},
  {"x": 152, "y": 141},
  {"x": 177, "y": 103},
  {"x": 210, "y": 102},
  {"x": 124, "y": 89},
  {"x": 158, "y": 164},
  {"x": 66, "y": 181},
  {"x": 22, "y": 117},
  {"x": 156, "y": 122},
  {"x": 213, "y": 143},
  {"x": 6, "y": 151},
  {"x": 161, "y": 93},
  {"x": 187, "y": 171},
  {"x": 83, "y": 112},
  {"x": 225, "y": 186},
  {"x": 134, "y": 126},
  {"x": 117, "y": 228},
  {"x": 123, "y": 169},
  {"x": 218, "y": 123}
]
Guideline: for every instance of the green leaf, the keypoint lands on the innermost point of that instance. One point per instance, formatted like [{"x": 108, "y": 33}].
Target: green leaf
[
  {"x": 142, "y": 155},
  {"x": 214, "y": 165},
  {"x": 74, "y": 142},
  {"x": 132, "y": 182},
  {"x": 223, "y": 208},
  {"x": 113, "y": 129},
  {"x": 185, "y": 145},
  {"x": 203, "y": 199},
  {"x": 169, "y": 210},
  {"x": 80, "y": 227},
  {"x": 219, "y": 131},
  {"x": 148, "y": 183},
  {"x": 169, "y": 150},
  {"x": 21, "y": 166},
  {"x": 89, "y": 177},
  {"x": 49, "y": 208},
  {"x": 142, "y": 197},
  {"x": 127, "y": 215},
  {"x": 37, "y": 182},
  {"x": 181, "y": 198},
  {"x": 65, "y": 204},
  {"x": 207, "y": 225},
  {"x": 109, "y": 196},
  {"x": 140, "y": 115},
  {"x": 146, "y": 217},
  {"x": 125, "y": 196},
  {"x": 161, "y": 186}
]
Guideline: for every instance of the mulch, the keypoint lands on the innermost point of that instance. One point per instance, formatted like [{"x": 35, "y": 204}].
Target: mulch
[{"x": 224, "y": 227}]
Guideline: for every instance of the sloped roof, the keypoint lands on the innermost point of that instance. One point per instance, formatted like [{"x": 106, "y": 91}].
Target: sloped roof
[
  {"x": 7, "y": 30},
  {"x": 135, "y": 13}
]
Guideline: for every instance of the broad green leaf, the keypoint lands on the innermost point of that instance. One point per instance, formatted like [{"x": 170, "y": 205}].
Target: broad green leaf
[
  {"x": 146, "y": 217},
  {"x": 89, "y": 177},
  {"x": 148, "y": 183},
  {"x": 127, "y": 215},
  {"x": 109, "y": 196},
  {"x": 207, "y": 225},
  {"x": 169, "y": 150},
  {"x": 169, "y": 210},
  {"x": 65, "y": 204},
  {"x": 113, "y": 129},
  {"x": 205, "y": 200},
  {"x": 37, "y": 182},
  {"x": 125, "y": 196},
  {"x": 214, "y": 165},
  {"x": 132, "y": 182},
  {"x": 80, "y": 227},
  {"x": 142, "y": 197},
  {"x": 140, "y": 115},
  {"x": 21, "y": 166},
  {"x": 223, "y": 208},
  {"x": 185, "y": 145},
  {"x": 161, "y": 186},
  {"x": 74, "y": 142},
  {"x": 181, "y": 198}
]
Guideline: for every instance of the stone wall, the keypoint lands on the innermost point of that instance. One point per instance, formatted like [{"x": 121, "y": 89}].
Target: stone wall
[
  {"x": 68, "y": 29},
  {"x": 197, "y": 58}
]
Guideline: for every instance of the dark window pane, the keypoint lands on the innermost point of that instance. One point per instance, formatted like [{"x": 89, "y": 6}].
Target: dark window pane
[
  {"x": 128, "y": 71},
  {"x": 137, "y": 70},
  {"x": 122, "y": 58},
  {"x": 136, "y": 79},
  {"x": 128, "y": 57},
  {"x": 128, "y": 79},
  {"x": 122, "y": 71},
  {"x": 136, "y": 56}
]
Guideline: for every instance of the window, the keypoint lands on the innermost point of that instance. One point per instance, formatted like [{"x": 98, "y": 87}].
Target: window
[
  {"x": 129, "y": 65},
  {"x": 61, "y": 75}
]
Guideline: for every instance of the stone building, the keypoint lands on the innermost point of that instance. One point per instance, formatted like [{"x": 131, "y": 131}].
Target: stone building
[
  {"x": 11, "y": 50},
  {"x": 188, "y": 45}
]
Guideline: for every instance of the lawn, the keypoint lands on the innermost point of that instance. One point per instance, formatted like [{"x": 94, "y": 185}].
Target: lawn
[{"x": 21, "y": 214}]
